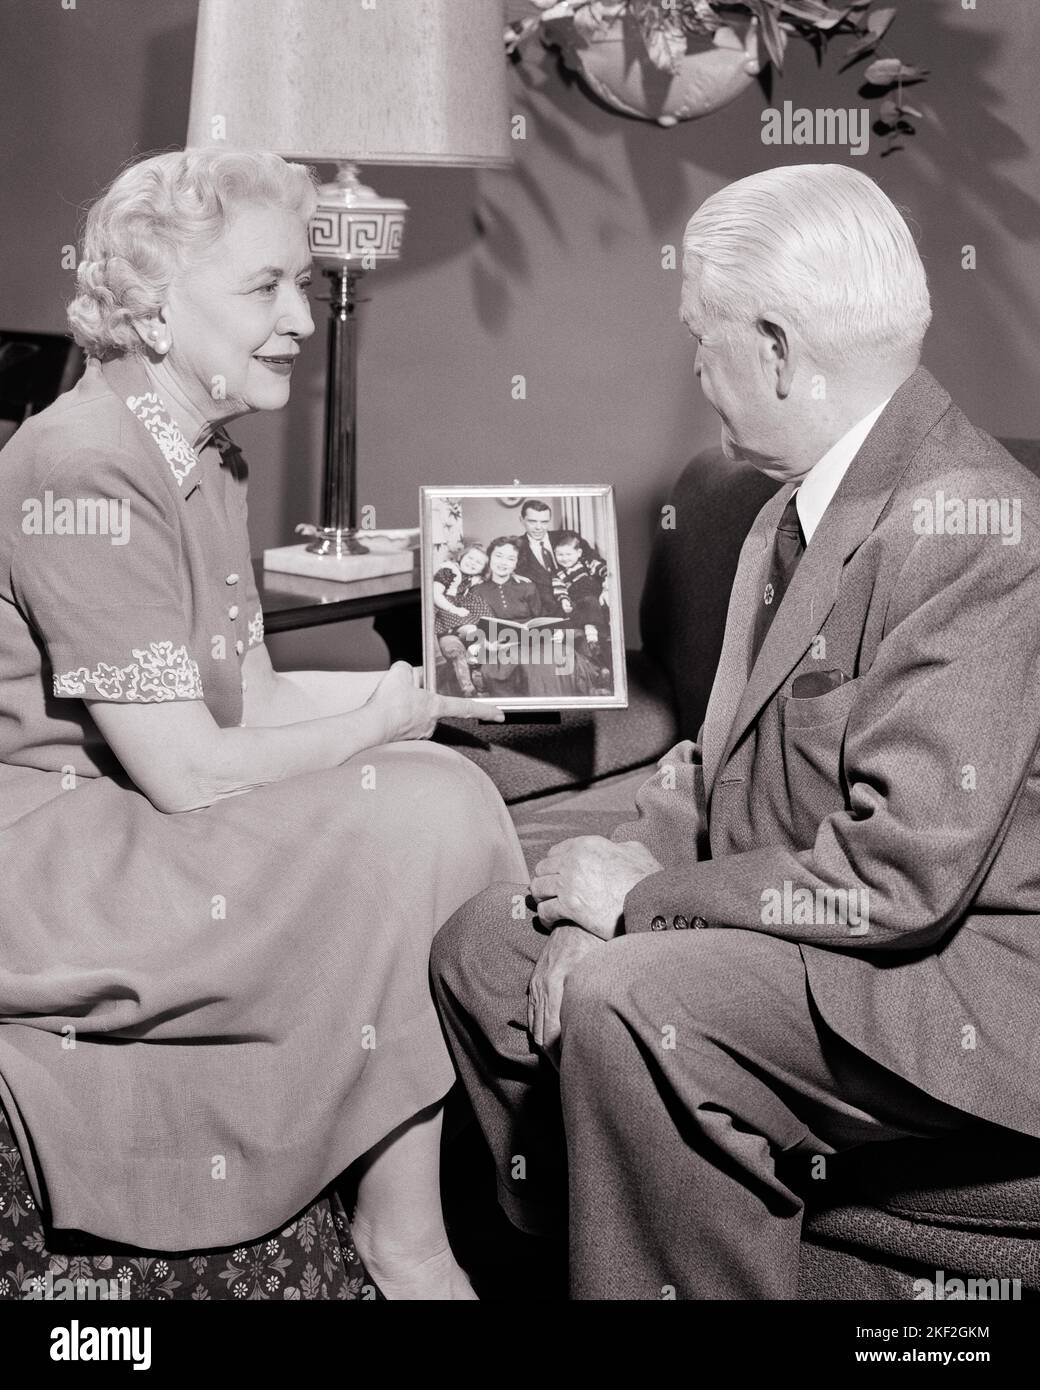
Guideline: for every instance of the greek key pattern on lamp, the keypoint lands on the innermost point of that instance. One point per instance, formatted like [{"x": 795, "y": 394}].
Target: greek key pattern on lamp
[{"x": 349, "y": 235}]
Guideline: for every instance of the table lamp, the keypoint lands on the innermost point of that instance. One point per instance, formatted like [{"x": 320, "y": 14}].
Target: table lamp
[{"x": 350, "y": 82}]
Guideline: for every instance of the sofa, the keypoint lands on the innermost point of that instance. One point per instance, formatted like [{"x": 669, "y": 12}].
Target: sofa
[{"x": 894, "y": 1212}]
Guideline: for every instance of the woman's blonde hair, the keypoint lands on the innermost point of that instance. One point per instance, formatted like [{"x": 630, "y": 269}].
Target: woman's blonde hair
[{"x": 155, "y": 216}]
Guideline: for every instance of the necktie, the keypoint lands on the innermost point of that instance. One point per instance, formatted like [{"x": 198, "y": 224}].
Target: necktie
[{"x": 788, "y": 548}]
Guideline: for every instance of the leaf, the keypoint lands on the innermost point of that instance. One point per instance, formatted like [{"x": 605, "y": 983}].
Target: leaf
[
  {"x": 813, "y": 12},
  {"x": 885, "y": 71},
  {"x": 859, "y": 49},
  {"x": 774, "y": 40},
  {"x": 698, "y": 17},
  {"x": 519, "y": 33},
  {"x": 590, "y": 22},
  {"x": 893, "y": 111},
  {"x": 878, "y": 23},
  {"x": 666, "y": 47},
  {"x": 663, "y": 36}
]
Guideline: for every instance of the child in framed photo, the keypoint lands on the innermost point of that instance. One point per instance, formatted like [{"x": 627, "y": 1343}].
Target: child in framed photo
[
  {"x": 455, "y": 608},
  {"x": 521, "y": 596}
]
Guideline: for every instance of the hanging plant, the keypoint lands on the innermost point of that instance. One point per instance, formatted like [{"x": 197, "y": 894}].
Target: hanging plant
[{"x": 672, "y": 60}]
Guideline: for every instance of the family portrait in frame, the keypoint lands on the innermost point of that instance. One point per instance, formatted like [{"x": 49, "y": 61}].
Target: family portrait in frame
[{"x": 520, "y": 596}]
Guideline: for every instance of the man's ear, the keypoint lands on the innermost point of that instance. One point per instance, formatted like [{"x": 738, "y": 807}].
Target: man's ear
[{"x": 777, "y": 342}]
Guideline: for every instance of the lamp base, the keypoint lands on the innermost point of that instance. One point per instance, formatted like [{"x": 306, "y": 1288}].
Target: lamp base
[
  {"x": 335, "y": 540},
  {"x": 392, "y": 553}
]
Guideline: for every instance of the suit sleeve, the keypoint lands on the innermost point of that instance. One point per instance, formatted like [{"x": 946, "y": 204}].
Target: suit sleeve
[
  {"x": 939, "y": 743},
  {"x": 534, "y": 601},
  {"x": 671, "y": 821}
]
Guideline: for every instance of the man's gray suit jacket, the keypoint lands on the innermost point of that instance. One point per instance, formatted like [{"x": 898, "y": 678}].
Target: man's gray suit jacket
[{"x": 890, "y": 826}]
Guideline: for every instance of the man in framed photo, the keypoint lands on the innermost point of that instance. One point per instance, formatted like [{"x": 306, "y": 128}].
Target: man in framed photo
[
  {"x": 537, "y": 555},
  {"x": 823, "y": 930}
]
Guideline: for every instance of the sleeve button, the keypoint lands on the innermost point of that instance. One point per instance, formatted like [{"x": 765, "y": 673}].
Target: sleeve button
[
  {"x": 699, "y": 923},
  {"x": 680, "y": 923},
  {"x": 657, "y": 924}
]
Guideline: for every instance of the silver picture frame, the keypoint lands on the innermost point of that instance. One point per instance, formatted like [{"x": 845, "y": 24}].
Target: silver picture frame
[{"x": 527, "y": 629}]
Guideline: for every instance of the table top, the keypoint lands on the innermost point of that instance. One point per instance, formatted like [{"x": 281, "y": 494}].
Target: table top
[{"x": 296, "y": 600}]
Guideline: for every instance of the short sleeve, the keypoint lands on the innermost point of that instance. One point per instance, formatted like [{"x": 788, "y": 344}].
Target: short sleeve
[{"x": 98, "y": 572}]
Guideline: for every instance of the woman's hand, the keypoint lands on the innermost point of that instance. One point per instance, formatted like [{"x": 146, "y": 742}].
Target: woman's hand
[{"x": 407, "y": 711}]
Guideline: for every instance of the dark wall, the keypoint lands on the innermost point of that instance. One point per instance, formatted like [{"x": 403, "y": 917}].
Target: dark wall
[{"x": 553, "y": 270}]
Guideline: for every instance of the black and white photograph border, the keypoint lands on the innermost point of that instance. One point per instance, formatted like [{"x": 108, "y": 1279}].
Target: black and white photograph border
[{"x": 504, "y": 626}]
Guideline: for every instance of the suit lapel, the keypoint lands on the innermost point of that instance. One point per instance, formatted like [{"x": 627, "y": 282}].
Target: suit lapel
[
  {"x": 731, "y": 675},
  {"x": 737, "y": 699}
]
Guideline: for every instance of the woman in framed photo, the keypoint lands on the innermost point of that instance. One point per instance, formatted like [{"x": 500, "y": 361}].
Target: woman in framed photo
[{"x": 506, "y": 596}]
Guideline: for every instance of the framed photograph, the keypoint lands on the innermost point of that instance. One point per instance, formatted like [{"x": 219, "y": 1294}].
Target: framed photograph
[{"x": 521, "y": 598}]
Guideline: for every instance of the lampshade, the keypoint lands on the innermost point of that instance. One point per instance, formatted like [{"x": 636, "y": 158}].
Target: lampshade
[{"x": 419, "y": 82}]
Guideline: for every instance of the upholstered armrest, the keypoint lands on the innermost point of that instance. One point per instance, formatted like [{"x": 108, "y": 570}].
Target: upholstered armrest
[{"x": 525, "y": 760}]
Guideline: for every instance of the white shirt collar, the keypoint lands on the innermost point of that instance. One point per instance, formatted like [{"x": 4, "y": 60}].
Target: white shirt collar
[{"x": 822, "y": 480}]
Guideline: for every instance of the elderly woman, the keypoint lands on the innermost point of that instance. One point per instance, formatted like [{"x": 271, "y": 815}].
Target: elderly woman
[{"x": 220, "y": 883}]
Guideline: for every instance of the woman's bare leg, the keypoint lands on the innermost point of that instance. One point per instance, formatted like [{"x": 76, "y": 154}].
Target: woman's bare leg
[{"x": 398, "y": 1223}]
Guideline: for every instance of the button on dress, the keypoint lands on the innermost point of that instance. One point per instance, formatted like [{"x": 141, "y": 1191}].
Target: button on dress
[{"x": 204, "y": 1016}]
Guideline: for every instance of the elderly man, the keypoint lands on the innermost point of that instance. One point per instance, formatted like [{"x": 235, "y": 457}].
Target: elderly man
[{"x": 824, "y": 928}]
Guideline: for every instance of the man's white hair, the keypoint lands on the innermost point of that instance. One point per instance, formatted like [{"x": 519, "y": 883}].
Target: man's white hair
[{"x": 820, "y": 243}]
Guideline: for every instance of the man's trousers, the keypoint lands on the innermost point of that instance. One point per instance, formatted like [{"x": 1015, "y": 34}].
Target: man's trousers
[{"x": 699, "y": 1095}]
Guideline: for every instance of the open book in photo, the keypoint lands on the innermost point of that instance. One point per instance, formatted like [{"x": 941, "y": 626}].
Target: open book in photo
[{"x": 491, "y": 624}]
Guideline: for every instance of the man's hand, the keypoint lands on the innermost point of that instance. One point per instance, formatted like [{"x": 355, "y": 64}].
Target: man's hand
[
  {"x": 562, "y": 952},
  {"x": 586, "y": 881}
]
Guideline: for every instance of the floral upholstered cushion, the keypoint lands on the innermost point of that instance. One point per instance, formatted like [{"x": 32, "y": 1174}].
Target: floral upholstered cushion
[{"x": 313, "y": 1257}]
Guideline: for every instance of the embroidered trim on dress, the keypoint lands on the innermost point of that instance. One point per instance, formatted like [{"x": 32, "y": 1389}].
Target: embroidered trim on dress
[
  {"x": 162, "y": 672},
  {"x": 256, "y": 628},
  {"x": 177, "y": 452}
]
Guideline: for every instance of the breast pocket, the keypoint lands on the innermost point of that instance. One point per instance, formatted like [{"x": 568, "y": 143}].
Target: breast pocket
[
  {"x": 816, "y": 711},
  {"x": 812, "y": 744}
]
